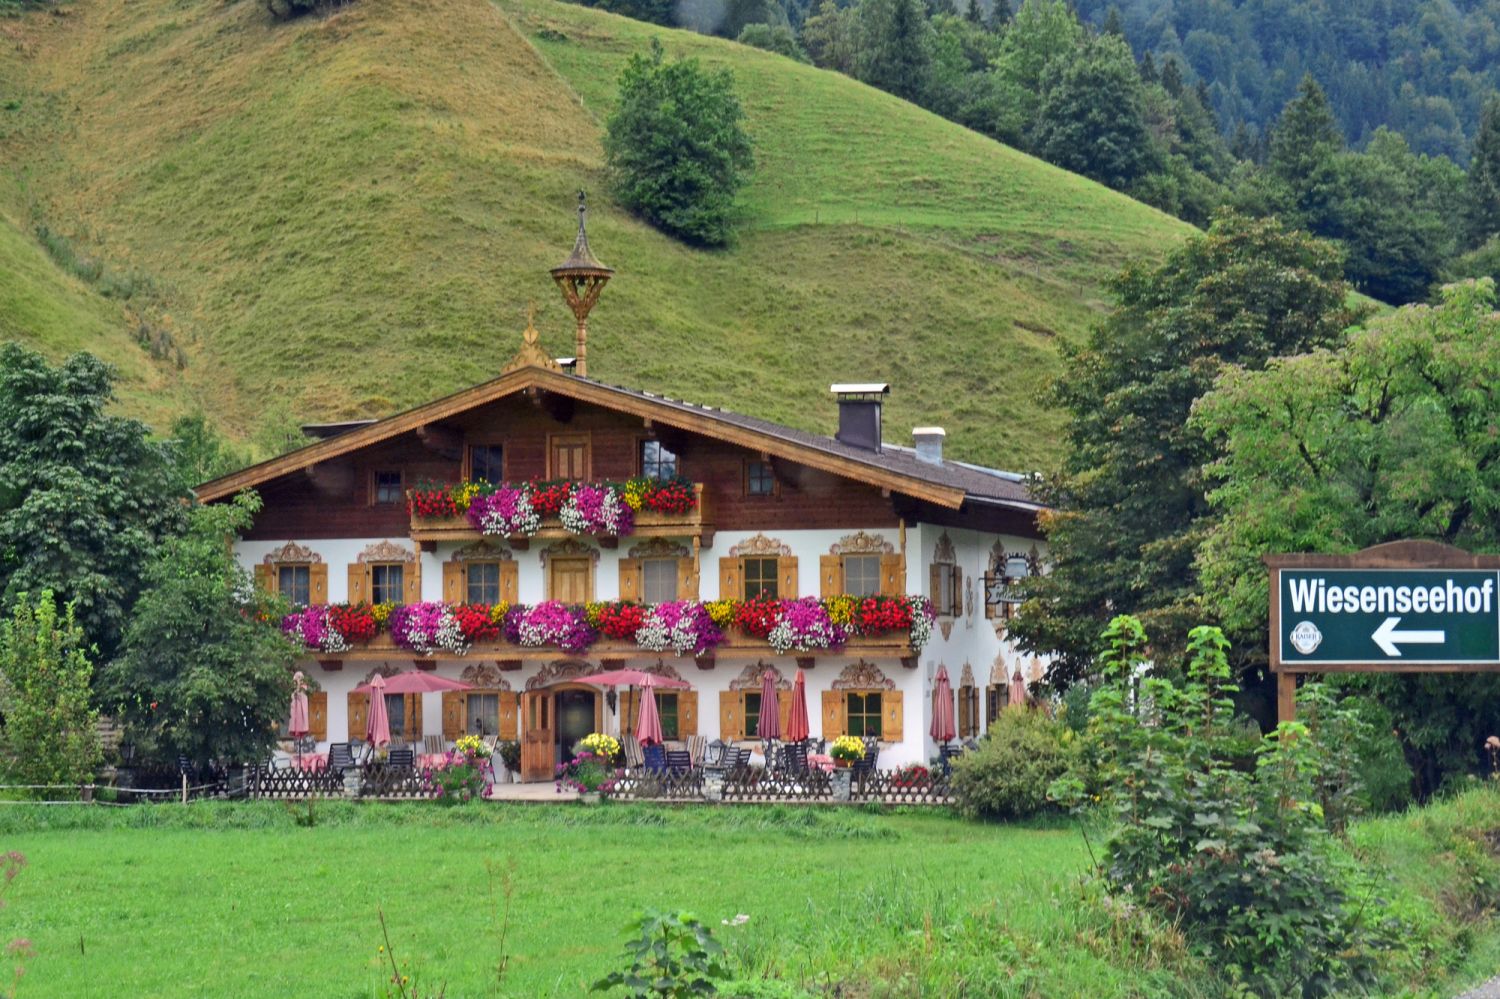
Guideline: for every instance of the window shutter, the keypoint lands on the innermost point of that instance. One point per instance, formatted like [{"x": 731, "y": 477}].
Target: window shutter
[
  {"x": 264, "y": 578},
  {"x": 508, "y": 727},
  {"x": 411, "y": 582},
  {"x": 510, "y": 582},
  {"x": 317, "y": 715},
  {"x": 413, "y": 718},
  {"x": 632, "y": 582},
  {"x": 687, "y": 713},
  {"x": 963, "y": 712},
  {"x": 359, "y": 588},
  {"x": 317, "y": 583},
  {"x": 892, "y": 576},
  {"x": 731, "y": 717},
  {"x": 786, "y": 571},
  {"x": 455, "y": 707},
  {"x": 958, "y": 592},
  {"x": 359, "y": 713},
  {"x": 784, "y": 709},
  {"x": 830, "y": 575},
  {"x": 891, "y": 704},
  {"x": 730, "y": 576},
  {"x": 935, "y": 587},
  {"x": 687, "y": 580},
  {"x": 833, "y": 714},
  {"x": 455, "y": 586},
  {"x": 627, "y": 711}
]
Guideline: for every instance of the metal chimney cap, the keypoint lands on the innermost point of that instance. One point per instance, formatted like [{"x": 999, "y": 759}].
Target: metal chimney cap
[
  {"x": 928, "y": 432},
  {"x": 861, "y": 388}
]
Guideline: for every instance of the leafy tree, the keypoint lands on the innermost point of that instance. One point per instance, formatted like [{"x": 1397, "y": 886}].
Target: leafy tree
[
  {"x": 776, "y": 38},
  {"x": 204, "y": 670},
  {"x": 1091, "y": 119},
  {"x": 85, "y": 497},
  {"x": 1304, "y": 147},
  {"x": 1000, "y": 15},
  {"x": 1042, "y": 33},
  {"x": 1128, "y": 507},
  {"x": 1484, "y": 176},
  {"x": 200, "y": 453},
  {"x": 1390, "y": 436},
  {"x": 895, "y": 47},
  {"x": 676, "y": 146},
  {"x": 831, "y": 37},
  {"x": 661, "y": 12},
  {"x": 49, "y": 734}
]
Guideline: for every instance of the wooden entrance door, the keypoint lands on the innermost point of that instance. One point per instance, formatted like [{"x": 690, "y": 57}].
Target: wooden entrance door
[{"x": 538, "y": 743}]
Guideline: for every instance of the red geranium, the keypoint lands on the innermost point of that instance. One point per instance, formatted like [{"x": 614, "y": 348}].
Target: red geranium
[
  {"x": 432, "y": 502},
  {"x": 882, "y": 615},
  {"x": 355, "y": 622},
  {"x": 671, "y": 496},
  {"x": 621, "y": 620},
  {"x": 756, "y": 618},
  {"x": 475, "y": 623},
  {"x": 548, "y": 499}
]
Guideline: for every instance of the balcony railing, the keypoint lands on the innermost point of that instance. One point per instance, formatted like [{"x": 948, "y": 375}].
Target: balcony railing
[{"x": 551, "y": 523}]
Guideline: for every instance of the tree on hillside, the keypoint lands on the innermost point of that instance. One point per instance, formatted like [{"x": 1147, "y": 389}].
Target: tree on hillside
[
  {"x": 204, "y": 670},
  {"x": 1128, "y": 507},
  {"x": 200, "y": 453},
  {"x": 1091, "y": 119},
  {"x": 676, "y": 146},
  {"x": 895, "y": 47},
  {"x": 1042, "y": 33},
  {"x": 1389, "y": 436},
  {"x": 1304, "y": 145},
  {"x": 85, "y": 497},
  {"x": 831, "y": 37},
  {"x": 49, "y": 734},
  {"x": 1484, "y": 176}
]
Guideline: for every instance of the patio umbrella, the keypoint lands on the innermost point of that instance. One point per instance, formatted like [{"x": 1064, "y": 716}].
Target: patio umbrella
[
  {"x": 1018, "y": 690},
  {"x": 769, "y": 726},
  {"x": 942, "y": 729},
  {"x": 630, "y": 678},
  {"x": 378, "y": 727},
  {"x": 299, "y": 726},
  {"x": 796, "y": 722},
  {"x": 648, "y": 722},
  {"x": 415, "y": 682}
]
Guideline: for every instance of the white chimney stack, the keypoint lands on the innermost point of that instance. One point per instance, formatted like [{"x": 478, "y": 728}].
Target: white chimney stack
[{"x": 929, "y": 442}]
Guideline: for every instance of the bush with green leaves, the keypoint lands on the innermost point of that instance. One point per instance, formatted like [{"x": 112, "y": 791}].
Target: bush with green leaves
[
  {"x": 778, "y": 38},
  {"x": 49, "y": 735},
  {"x": 286, "y": 9},
  {"x": 1239, "y": 858},
  {"x": 676, "y": 146},
  {"x": 1007, "y": 777},
  {"x": 672, "y": 955}
]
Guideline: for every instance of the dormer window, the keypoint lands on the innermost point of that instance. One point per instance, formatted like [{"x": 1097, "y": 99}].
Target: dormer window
[
  {"x": 387, "y": 487},
  {"x": 486, "y": 463},
  {"x": 759, "y": 479}
]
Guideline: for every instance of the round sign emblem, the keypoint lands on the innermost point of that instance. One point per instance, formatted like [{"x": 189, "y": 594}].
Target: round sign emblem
[{"x": 1306, "y": 638}]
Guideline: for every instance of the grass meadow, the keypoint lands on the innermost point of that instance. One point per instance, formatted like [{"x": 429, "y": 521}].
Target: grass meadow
[{"x": 242, "y": 900}]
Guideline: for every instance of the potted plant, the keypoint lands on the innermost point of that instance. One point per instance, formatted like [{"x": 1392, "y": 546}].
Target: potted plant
[
  {"x": 846, "y": 751},
  {"x": 509, "y": 752},
  {"x": 591, "y": 772},
  {"x": 465, "y": 773}
]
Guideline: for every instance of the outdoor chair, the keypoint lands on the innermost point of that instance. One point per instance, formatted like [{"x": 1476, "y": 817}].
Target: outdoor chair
[
  {"x": 697, "y": 745},
  {"x": 401, "y": 758},
  {"x": 794, "y": 757},
  {"x": 631, "y": 746},
  {"x": 864, "y": 767},
  {"x": 741, "y": 758},
  {"x": 949, "y": 752},
  {"x": 678, "y": 761},
  {"x": 970, "y": 745},
  {"x": 654, "y": 759},
  {"x": 432, "y": 745},
  {"x": 340, "y": 758}
]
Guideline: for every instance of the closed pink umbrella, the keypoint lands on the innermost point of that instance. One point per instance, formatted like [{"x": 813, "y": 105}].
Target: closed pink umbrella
[
  {"x": 378, "y": 727},
  {"x": 648, "y": 720},
  {"x": 796, "y": 722},
  {"x": 299, "y": 726},
  {"x": 942, "y": 729},
  {"x": 1018, "y": 690},
  {"x": 769, "y": 726}
]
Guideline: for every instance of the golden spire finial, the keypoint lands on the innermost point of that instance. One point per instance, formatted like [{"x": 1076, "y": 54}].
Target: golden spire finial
[
  {"x": 531, "y": 354},
  {"x": 531, "y": 334}
]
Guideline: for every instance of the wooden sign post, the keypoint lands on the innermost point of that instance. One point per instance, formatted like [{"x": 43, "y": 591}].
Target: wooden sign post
[{"x": 1400, "y": 607}]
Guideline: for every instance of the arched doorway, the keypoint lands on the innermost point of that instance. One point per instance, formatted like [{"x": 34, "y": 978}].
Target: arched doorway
[{"x": 555, "y": 713}]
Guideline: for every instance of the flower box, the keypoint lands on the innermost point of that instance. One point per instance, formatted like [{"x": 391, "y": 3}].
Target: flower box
[{"x": 533, "y": 511}]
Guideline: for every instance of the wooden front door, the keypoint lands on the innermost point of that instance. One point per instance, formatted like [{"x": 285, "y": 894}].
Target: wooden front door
[
  {"x": 538, "y": 742},
  {"x": 569, "y": 580},
  {"x": 568, "y": 456}
]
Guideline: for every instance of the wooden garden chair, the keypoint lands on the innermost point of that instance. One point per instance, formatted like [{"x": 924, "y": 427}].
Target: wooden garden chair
[{"x": 433, "y": 745}]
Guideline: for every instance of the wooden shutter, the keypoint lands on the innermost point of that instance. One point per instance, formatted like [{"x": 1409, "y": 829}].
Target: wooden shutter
[
  {"x": 510, "y": 581},
  {"x": 509, "y": 729},
  {"x": 958, "y": 592},
  {"x": 455, "y": 709},
  {"x": 317, "y": 715},
  {"x": 935, "y": 587},
  {"x": 265, "y": 578},
  {"x": 892, "y": 708},
  {"x": 317, "y": 583},
  {"x": 784, "y": 709},
  {"x": 730, "y": 579},
  {"x": 413, "y": 718},
  {"x": 687, "y": 580},
  {"x": 687, "y": 713},
  {"x": 455, "y": 583},
  {"x": 359, "y": 585},
  {"x": 627, "y": 707},
  {"x": 359, "y": 713},
  {"x": 830, "y": 575},
  {"x": 892, "y": 575},
  {"x": 833, "y": 714},
  {"x": 731, "y": 715},
  {"x": 632, "y": 580},
  {"x": 411, "y": 582},
  {"x": 963, "y": 712},
  {"x": 786, "y": 573}
]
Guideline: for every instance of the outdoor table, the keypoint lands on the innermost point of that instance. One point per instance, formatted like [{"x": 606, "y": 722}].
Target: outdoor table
[
  {"x": 310, "y": 761},
  {"x": 820, "y": 760}
]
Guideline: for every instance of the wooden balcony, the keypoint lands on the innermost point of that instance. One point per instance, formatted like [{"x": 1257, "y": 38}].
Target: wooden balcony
[{"x": 694, "y": 523}]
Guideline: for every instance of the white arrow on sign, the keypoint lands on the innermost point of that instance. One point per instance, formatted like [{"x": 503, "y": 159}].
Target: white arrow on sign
[{"x": 1386, "y": 636}]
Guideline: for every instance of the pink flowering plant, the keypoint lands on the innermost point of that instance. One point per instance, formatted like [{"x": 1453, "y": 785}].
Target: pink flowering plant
[
  {"x": 587, "y": 773},
  {"x": 683, "y": 626},
  {"x": 314, "y": 628},
  {"x": 596, "y": 509},
  {"x": 804, "y": 625},
  {"x": 426, "y": 628},
  {"x": 550, "y": 623},
  {"x": 505, "y": 511},
  {"x": 465, "y": 774}
]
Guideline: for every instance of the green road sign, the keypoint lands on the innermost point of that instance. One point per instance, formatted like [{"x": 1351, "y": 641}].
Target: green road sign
[{"x": 1406, "y": 617}]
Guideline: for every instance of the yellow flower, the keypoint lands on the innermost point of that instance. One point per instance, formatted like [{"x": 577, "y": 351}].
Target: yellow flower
[
  {"x": 380, "y": 612},
  {"x": 464, "y": 495},
  {"x": 498, "y": 611},
  {"x": 722, "y": 611},
  {"x": 593, "y": 609},
  {"x": 840, "y": 609},
  {"x": 634, "y": 493}
]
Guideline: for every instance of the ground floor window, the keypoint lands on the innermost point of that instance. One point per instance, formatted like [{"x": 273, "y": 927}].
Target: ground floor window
[
  {"x": 395, "y": 710},
  {"x": 862, "y": 713},
  {"x": 483, "y": 714}
]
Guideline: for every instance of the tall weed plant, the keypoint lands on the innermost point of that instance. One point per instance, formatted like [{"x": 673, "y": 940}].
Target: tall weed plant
[{"x": 1238, "y": 856}]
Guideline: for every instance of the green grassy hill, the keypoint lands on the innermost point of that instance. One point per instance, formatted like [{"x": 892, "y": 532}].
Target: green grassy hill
[{"x": 348, "y": 214}]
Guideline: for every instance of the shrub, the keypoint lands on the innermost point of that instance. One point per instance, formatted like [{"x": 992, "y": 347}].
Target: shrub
[
  {"x": 1007, "y": 777},
  {"x": 676, "y": 146},
  {"x": 673, "y": 954},
  {"x": 776, "y": 38}
]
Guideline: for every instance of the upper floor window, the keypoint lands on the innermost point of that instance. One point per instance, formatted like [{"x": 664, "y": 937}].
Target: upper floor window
[
  {"x": 486, "y": 463},
  {"x": 483, "y": 583},
  {"x": 295, "y": 583},
  {"x": 568, "y": 456},
  {"x": 387, "y": 581},
  {"x": 862, "y": 575},
  {"x": 657, "y": 462},
  {"x": 388, "y": 487},
  {"x": 761, "y": 578},
  {"x": 759, "y": 479},
  {"x": 659, "y": 580}
]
